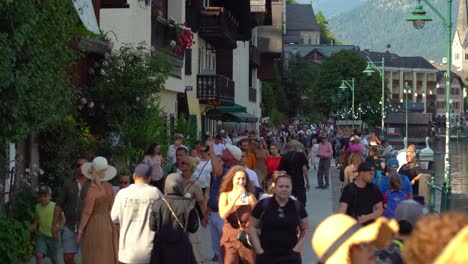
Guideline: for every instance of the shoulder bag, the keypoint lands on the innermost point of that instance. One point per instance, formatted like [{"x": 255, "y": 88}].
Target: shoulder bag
[{"x": 243, "y": 236}]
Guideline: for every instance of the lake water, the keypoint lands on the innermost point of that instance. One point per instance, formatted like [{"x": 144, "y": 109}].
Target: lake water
[{"x": 459, "y": 163}]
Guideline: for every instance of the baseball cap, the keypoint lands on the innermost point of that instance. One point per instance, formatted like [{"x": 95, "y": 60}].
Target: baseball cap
[
  {"x": 44, "y": 189},
  {"x": 393, "y": 163},
  {"x": 235, "y": 151},
  {"x": 366, "y": 166},
  {"x": 143, "y": 170},
  {"x": 409, "y": 210}
]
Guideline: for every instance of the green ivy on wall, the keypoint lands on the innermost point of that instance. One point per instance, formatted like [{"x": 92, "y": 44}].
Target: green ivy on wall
[{"x": 35, "y": 86}]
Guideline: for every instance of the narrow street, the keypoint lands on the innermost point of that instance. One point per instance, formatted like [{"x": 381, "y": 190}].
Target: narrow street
[{"x": 320, "y": 204}]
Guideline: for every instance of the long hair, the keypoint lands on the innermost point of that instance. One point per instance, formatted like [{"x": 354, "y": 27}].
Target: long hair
[
  {"x": 227, "y": 185},
  {"x": 150, "y": 150},
  {"x": 98, "y": 176},
  {"x": 355, "y": 159}
]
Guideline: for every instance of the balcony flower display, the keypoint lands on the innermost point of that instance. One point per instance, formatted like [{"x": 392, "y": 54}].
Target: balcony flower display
[{"x": 183, "y": 34}]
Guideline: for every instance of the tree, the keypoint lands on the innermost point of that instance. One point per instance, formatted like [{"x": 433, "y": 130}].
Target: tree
[
  {"x": 326, "y": 37},
  {"x": 35, "y": 85},
  {"x": 345, "y": 65},
  {"x": 292, "y": 2}
]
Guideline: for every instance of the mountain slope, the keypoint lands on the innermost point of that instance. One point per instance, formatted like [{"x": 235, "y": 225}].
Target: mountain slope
[
  {"x": 375, "y": 23},
  {"x": 331, "y": 7}
]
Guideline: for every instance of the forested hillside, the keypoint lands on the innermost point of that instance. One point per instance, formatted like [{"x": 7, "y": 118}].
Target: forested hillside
[{"x": 375, "y": 23}]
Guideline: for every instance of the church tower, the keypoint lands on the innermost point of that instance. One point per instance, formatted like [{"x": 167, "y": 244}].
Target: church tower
[{"x": 460, "y": 40}]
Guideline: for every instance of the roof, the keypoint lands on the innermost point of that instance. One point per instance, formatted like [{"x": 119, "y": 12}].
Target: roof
[
  {"x": 460, "y": 75},
  {"x": 301, "y": 18},
  {"x": 413, "y": 118},
  {"x": 326, "y": 50},
  {"x": 393, "y": 60}
]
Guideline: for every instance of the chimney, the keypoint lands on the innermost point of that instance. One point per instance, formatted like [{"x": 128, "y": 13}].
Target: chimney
[{"x": 389, "y": 48}]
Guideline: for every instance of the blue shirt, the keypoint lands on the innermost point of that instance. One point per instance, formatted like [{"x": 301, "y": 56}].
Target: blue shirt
[{"x": 406, "y": 187}]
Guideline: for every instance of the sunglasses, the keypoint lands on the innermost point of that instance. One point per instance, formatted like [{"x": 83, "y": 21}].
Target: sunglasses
[{"x": 281, "y": 213}]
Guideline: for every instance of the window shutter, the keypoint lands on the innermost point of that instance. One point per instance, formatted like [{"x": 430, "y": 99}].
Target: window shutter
[{"x": 188, "y": 61}]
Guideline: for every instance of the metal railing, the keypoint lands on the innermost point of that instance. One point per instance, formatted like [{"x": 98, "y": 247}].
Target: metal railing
[{"x": 445, "y": 195}]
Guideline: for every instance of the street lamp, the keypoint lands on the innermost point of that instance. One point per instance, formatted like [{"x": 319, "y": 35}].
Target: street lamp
[
  {"x": 371, "y": 68},
  {"x": 345, "y": 84},
  {"x": 419, "y": 18},
  {"x": 406, "y": 91}
]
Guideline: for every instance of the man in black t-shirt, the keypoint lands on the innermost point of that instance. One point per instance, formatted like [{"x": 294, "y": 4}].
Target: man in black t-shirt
[
  {"x": 296, "y": 165},
  {"x": 360, "y": 197}
]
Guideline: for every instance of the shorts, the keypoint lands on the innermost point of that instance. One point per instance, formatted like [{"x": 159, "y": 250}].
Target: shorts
[
  {"x": 48, "y": 246},
  {"x": 69, "y": 242}
]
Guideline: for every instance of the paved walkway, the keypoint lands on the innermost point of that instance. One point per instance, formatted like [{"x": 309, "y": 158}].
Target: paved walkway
[{"x": 320, "y": 204}]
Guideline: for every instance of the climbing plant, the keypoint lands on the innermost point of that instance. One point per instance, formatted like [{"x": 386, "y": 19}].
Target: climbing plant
[{"x": 35, "y": 86}]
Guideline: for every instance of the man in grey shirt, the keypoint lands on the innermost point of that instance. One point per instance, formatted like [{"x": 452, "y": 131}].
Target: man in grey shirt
[
  {"x": 70, "y": 202},
  {"x": 131, "y": 208}
]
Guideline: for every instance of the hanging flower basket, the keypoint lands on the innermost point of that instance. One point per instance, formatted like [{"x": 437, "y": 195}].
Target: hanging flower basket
[{"x": 184, "y": 36}]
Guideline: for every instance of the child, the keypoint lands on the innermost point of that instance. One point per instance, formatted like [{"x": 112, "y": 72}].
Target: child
[
  {"x": 46, "y": 244},
  {"x": 393, "y": 197}
]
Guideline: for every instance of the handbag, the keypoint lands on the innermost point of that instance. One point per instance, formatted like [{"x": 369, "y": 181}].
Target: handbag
[{"x": 243, "y": 236}]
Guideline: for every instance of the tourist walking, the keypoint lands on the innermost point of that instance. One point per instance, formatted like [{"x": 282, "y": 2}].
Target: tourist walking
[
  {"x": 412, "y": 170},
  {"x": 181, "y": 154},
  {"x": 70, "y": 202},
  {"x": 350, "y": 171},
  {"x": 154, "y": 158},
  {"x": 131, "y": 208},
  {"x": 46, "y": 244},
  {"x": 96, "y": 227},
  {"x": 272, "y": 163},
  {"x": 261, "y": 153},
  {"x": 325, "y": 153},
  {"x": 393, "y": 197},
  {"x": 296, "y": 165},
  {"x": 203, "y": 174},
  {"x": 193, "y": 191},
  {"x": 360, "y": 197},
  {"x": 392, "y": 167},
  {"x": 278, "y": 218},
  {"x": 173, "y": 217},
  {"x": 171, "y": 152},
  {"x": 236, "y": 202}
]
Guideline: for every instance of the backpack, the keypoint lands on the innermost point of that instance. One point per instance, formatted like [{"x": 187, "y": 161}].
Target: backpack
[
  {"x": 390, "y": 254},
  {"x": 391, "y": 200}
]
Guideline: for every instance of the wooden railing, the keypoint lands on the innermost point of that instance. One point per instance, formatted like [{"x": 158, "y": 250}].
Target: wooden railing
[
  {"x": 215, "y": 89},
  {"x": 218, "y": 26},
  {"x": 161, "y": 37}
]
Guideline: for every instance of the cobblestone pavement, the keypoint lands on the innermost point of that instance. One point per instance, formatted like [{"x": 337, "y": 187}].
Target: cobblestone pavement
[{"x": 320, "y": 204}]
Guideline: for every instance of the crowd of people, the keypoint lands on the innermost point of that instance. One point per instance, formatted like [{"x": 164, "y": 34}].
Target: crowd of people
[{"x": 250, "y": 190}]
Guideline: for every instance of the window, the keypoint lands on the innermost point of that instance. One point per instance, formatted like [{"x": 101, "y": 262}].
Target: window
[
  {"x": 457, "y": 56},
  {"x": 466, "y": 56},
  {"x": 456, "y": 105},
  {"x": 199, "y": 60},
  {"x": 440, "y": 91},
  {"x": 161, "y": 8},
  {"x": 440, "y": 104}
]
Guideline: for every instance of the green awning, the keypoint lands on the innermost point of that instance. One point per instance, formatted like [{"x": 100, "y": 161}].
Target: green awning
[
  {"x": 232, "y": 108},
  {"x": 235, "y": 113}
]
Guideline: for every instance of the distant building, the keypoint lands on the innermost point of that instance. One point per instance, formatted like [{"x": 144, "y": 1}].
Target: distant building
[
  {"x": 416, "y": 72},
  {"x": 301, "y": 25},
  {"x": 460, "y": 39}
]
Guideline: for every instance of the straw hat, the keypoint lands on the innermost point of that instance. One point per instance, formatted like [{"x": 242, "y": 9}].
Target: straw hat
[
  {"x": 455, "y": 251},
  {"x": 98, "y": 164},
  {"x": 335, "y": 235}
]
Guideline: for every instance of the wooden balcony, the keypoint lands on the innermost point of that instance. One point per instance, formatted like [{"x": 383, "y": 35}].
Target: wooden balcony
[
  {"x": 161, "y": 37},
  {"x": 254, "y": 56},
  {"x": 215, "y": 89},
  {"x": 252, "y": 94},
  {"x": 218, "y": 27}
]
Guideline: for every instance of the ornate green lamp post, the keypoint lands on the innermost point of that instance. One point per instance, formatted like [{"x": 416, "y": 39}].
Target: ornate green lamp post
[
  {"x": 419, "y": 19},
  {"x": 370, "y": 69},
  {"x": 349, "y": 84}
]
